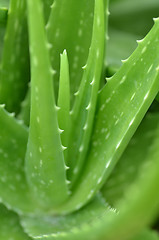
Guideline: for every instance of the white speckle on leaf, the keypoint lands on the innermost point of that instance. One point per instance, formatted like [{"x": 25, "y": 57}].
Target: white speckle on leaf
[
  {"x": 107, "y": 164},
  {"x": 118, "y": 144},
  {"x": 123, "y": 79},
  {"x": 146, "y": 96},
  {"x": 144, "y": 49},
  {"x": 150, "y": 68},
  {"x": 35, "y": 61},
  {"x": 107, "y": 136},
  {"x": 38, "y": 119},
  {"x": 99, "y": 180},
  {"x": 131, "y": 122},
  {"x": 80, "y": 32},
  {"x": 132, "y": 97},
  {"x": 108, "y": 100},
  {"x": 81, "y": 148},
  {"x": 102, "y": 107}
]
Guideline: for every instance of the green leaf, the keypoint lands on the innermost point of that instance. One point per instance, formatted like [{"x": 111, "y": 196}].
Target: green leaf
[
  {"x": 82, "y": 114},
  {"x": 57, "y": 227},
  {"x": 133, "y": 159},
  {"x": 70, "y": 27},
  {"x": 64, "y": 100},
  {"x": 14, "y": 72},
  {"x": 45, "y": 167},
  {"x": 14, "y": 192},
  {"x": 118, "y": 117},
  {"x": 10, "y": 227}
]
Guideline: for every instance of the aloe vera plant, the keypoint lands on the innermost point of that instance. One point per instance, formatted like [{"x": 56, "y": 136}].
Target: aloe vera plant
[{"x": 79, "y": 155}]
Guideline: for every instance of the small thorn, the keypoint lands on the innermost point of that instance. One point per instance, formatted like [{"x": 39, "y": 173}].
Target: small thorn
[
  {"x": 91, "y": 83},
  {"x": 68, "y": 182},
  {"x": 66, "y": 167},
  {"x": 71, "y": 112},
  {"x": 57, "y": 108},
  {"x": 156, "y": 19},
  {"x": 140, "y": 41},
  {"x": 53, "y": 72},
  {"x": 108, "y": 79},
  {"x": 76, "y": 93},
  {"x": 64, "y": 52},
  {"x": 88, "y": 107},
  {"x": 64, "y": 148},
  {"x": 61, "y": 130},
  {"x": 12, "y": 114},
  {"x": 85, "y": 126},
  {"x": 108, "y": 13},
  {"x": 124, "y": 61},
  {"x": 2, "y": 105},
  {"x": 84, "y": 67}
]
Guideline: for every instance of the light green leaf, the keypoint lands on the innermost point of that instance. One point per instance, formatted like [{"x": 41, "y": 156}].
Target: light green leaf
[
  {"x": 10, "y": 227},
  {"x": 14, "y": 192},
  {"x": 82, "y": 114},
  {"x": 14, "y": 72},
  {"x": 134, "y": 157},
  {"x": 64, "y": 100},
  {"x": 117, "y": 117},
  {"x": 45, "y": 167},
  {"x": 57, "y": 227},
  {"x": 70, "y": 27}
]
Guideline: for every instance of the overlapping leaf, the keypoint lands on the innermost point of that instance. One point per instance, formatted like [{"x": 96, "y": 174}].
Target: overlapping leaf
[
  {"x": 118, "y": 117},
  {"x": 14, "y": 72}
]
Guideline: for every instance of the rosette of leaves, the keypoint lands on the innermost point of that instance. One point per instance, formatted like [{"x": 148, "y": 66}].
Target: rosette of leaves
[{"x": 74, "y": 162}]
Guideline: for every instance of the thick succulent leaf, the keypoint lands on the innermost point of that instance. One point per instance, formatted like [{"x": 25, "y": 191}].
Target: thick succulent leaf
[
  {"x": 70, "y": 27},
  {"x": 14, "y": 190},
  {"x": 45, "y": 167},
  {"x": 117, "y": 117},
  {"x": 57, "y": 227},
  {"x": 64, "y": 100},
  {"x": 10, "y": 228},
  {"x": 135, "y": 211},
  {"x": 131, "y": 161},
  {"x": 14, "y": 72},
  {"x": 83, "y": 112}
]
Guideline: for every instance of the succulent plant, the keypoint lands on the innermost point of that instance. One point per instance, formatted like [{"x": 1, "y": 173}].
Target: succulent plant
[{"x": 79, "y": 155}]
